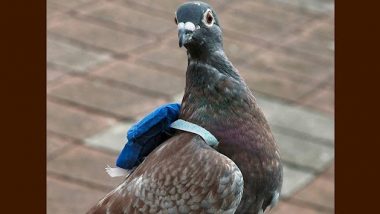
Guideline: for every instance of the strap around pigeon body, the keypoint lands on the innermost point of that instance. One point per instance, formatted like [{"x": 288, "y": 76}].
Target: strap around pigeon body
[
  {"x": 180, "y": 125},
  {"x": 194, "y": 128}
]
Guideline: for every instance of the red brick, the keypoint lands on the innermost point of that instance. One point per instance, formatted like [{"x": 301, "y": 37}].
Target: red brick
[
  {"x": 168, "y": 55},
  {"x": 64, "y": 197},
  {"x": 294, "y": 65},
  {"x": 330, "y": 172},
  {"x": 238, "y": 51},
  {"x": 320, "y": 192},
  {"x": 130, "y": 17},
  {"x": 261, "y": 20},
  {"x": 53, "y": 75},
  {"x": 99, "y": 36},
  {"x": 73, "y": 122},
  {"x": 70, "y": 57},
  {"x": 271, "y": 11},
  {"x": 154, "y": 80},
  {"x": 170, "y": 6},
  {"x": 321, "y": 7},
  {"x": 70, "y": 3},
  {"x": 322, "y": 99},
  {"x": 273, "y": 83},
  {"x": 84, "y": 164},
  {"x": 55, "y": 144},
  {"x": 319, "y": 40},
  {"x": 288, "y": 208},
  {"x": 52, "y": 9},
  {"x": 98, "y": 95}
]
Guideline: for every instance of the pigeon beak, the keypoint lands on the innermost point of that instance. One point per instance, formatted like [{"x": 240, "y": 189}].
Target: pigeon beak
[
  {"x": 181, "y": 37},
  {"x": 185, "y": 31}
]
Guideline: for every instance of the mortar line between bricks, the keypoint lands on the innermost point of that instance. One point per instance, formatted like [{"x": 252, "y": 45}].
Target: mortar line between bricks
[
  {"x": 59, "y": 79},
  {"x": 66, "y": 70},
  {"x": 120, "y": 27},
  {"x": 128, "y": 87},
  {"x": 317, "y": 110},
  {"x": 113, "y": 83},
  {"x": 159, "y": 38},
  {"x": 289, "y": 75},
  {"x": 271, "y": 46},
  {"x": 291, "y": 102},
  {"x": 62, "y": 11},
  {"x": 160, "y": 12},
  {"x": 303, "y": 203},
  {"x": 164, "y": 68},
  {"x": 98, "y": 67},
  {"x": 81, "y": 182},
  {"x": 312, "y": 57},
  {"x": 312, "y": 24},
  {"x": 328, "y": 176},
  {"x": 60, "y": 152},
  {"x": 68, "y": 75},
  {"x": 160, "y": 42},
  {"x": 321, "y": 110},
  {"x": 110, "y": 24},
  {"x": 163, "y": 37},
  {"x": 268, "y": 43},
  {"x": 285, "y": 6},
  {"x": 232, "y": 34},
  {"x": 317, "y": 88},
  {"x": 300, "y": 8},
  {"x": 86, "y": 108},
  {"x": 293, "y": 132},
  {"x": 79, "y": 6},
  {"x": 296, "y": 166},
  {"x": 114, "y": 54},
  {"x": 266, "y": 19},
  {"x": 57, "y": 5},
  {"x": 144, "y": 8},
  {"x": 81, "y": 143},
  {"x": 136, "y": 53},
  {"x": 52, "y": 86},
  {"x": 78, "y": 43},
  {"x": 313, "y": 139},
  {"x": 298, "y": 31},
  {"x": 315, "y": 175}
]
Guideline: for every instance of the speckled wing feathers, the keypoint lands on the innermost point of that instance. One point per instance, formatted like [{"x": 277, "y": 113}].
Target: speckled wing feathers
[{"x": 183, "y": 175}]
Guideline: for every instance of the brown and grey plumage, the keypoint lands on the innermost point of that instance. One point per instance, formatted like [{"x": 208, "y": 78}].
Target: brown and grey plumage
[{"x": 184, "y": 174}]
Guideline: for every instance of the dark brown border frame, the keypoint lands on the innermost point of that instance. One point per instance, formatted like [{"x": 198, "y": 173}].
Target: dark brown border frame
[
  {"x": 23, "y": 93},
  {"x": 356, "y": 103},
  {"x": 23, "y": 102}
]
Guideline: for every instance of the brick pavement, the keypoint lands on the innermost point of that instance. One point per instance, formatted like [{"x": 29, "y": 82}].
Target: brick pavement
[{"x": 104, "y": 60}]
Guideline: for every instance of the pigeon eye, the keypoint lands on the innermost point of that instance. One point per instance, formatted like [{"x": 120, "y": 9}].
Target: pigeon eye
[{"x": 208, "y": 18}]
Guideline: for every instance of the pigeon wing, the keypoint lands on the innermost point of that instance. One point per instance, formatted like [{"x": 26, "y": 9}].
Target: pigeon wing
[{"x": 182, "y": 175}]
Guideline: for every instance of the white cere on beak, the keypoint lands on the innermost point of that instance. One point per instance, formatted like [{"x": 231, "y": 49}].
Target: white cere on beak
[
  {"x": 187, "y": 26},
  {"x": 181, "y": 25}
]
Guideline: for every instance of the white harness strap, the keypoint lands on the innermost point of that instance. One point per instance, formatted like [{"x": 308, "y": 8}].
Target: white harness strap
[
  {"x": 194, "y": 128},
  {"x": 180, "y": 125}
]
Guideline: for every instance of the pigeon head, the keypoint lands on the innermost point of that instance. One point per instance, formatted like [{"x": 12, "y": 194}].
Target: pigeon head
[{"x": 198, "y": 28}]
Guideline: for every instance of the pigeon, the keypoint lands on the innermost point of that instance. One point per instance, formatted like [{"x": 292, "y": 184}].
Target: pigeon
[{"x": 241, "y": 173}]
